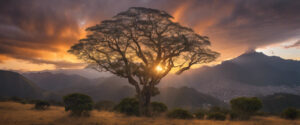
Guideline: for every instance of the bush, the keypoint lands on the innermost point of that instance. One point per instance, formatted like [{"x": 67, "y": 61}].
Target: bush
[
  {"x": 290, "y": 113},
  {"x": 78, "y": 104},
  {"x": 158, "y": 107},
  {"x": 216, "y": 116},
  {"x": 245, "y": 107},
  {"x": 41, "y": 105},
  {"x": 105, "y": 105},
  {"x": 128, "y": 106},
  {"x": 180, "y": 114}
]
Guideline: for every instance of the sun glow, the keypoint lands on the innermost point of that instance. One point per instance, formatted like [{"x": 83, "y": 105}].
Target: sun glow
[{"x": 158, "y": 68}]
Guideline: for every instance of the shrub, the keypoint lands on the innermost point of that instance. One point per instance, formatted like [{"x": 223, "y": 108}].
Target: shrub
[
  {"x": 245, "y": 107},
  {"x": 128, "y": 106},
  {"x": 216, "y": 116},
  {"x": 290, "y": 113},
  {"x": 78, "y": 104},
  {"x": 180, "y": 114},
  {"x": 158, "y": 107},
  {"x": 41, "y": 105},
  {"x": 105, "y": 105}
]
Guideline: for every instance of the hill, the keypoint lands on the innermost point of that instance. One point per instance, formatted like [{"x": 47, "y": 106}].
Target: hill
[
  {"x": 14, "y": 84},
  {"x": 57, "y": 81}
]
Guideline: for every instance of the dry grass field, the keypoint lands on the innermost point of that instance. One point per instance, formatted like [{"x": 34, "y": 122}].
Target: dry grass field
[{"x": 12, "y": 113}]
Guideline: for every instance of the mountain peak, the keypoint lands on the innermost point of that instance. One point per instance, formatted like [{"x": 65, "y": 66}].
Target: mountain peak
[{"x": 253, "y": 53}]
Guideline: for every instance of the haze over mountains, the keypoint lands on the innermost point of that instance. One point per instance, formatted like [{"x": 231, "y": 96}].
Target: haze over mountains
[{"x": 251, "y": 74}]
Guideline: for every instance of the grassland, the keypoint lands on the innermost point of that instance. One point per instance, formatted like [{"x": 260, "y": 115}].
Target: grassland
[{"x": 12, "y": 113}]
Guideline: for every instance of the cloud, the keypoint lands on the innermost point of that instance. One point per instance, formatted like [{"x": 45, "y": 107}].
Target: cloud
[
  {"x": 295, "y": 45},
  {"x": 38, "y": 31}
]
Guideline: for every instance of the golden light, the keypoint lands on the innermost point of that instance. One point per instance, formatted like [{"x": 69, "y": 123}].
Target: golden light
[{"x": 158, "y": 68}]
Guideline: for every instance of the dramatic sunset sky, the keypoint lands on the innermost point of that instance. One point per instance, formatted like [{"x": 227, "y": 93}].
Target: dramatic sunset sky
[{"x": 36, "y": 34}]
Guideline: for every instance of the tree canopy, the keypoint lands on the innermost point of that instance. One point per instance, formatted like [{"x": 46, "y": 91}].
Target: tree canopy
[
  {"x": 138, "y": 40},
  {"x": 143, "y": 45}
]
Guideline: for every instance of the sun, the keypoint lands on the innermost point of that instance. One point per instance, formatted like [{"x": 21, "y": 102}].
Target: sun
[{"x": 159, "y": 68}]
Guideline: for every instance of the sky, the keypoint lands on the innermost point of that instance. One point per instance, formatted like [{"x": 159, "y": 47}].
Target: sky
[{"x": 36, "y": 34}]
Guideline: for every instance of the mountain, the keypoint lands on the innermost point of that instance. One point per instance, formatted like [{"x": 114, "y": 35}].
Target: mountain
[
  {"x": 86, "y": 72},
  {"x": 58, "y": 81},
  {"x": 258, "y": 69},
  {"x": 277, "y": 102},
  {"x": 14, "y": 84},
  {"x": 250, "y": 74}
]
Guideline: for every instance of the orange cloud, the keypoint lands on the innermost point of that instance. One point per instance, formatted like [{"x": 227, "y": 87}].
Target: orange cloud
[{"x": 41, "y": 35}]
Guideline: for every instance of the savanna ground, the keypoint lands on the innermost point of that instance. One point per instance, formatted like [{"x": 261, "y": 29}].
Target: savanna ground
[{"x": 12, "y": 113}]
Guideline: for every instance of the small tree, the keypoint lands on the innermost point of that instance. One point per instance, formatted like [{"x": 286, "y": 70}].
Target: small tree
[
  {"x": 290, "y": 113},
  {"x": 128, "y": 106},
  {"x": 78, "y": 104},
  {"x": 41, "y": 105},
  {"x": 158, "y": 107},
  {"x": 179, "y": 114},
  {"x": 143, "y": 45},
  {"x": 245, "y": 107}
]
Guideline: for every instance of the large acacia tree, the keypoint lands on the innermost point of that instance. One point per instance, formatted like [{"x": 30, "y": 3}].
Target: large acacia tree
[{"x": 143, "y": 45}]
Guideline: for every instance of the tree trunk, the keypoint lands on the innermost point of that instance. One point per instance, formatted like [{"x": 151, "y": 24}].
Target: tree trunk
[
  {"x": 140, "y": 97},
  {"x": 144, "y": 104},
  {"x": 147, "y": 105}
]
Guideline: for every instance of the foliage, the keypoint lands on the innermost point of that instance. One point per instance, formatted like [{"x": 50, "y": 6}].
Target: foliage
[
  {"x": 245, "y": 107},
  {"x": 135, "y": 42},
  {"x": 128, "y": 106},
  {"x": 158, "y": 107},
  {"x": 78, "y": 104},
  {"x": 290, "y": 113},
  {"x": 180, "y": 114},
  {"x": 216, "y": 116},
  {"x": 41, "y": 105},
  {"x": 105, "y": 105}
]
